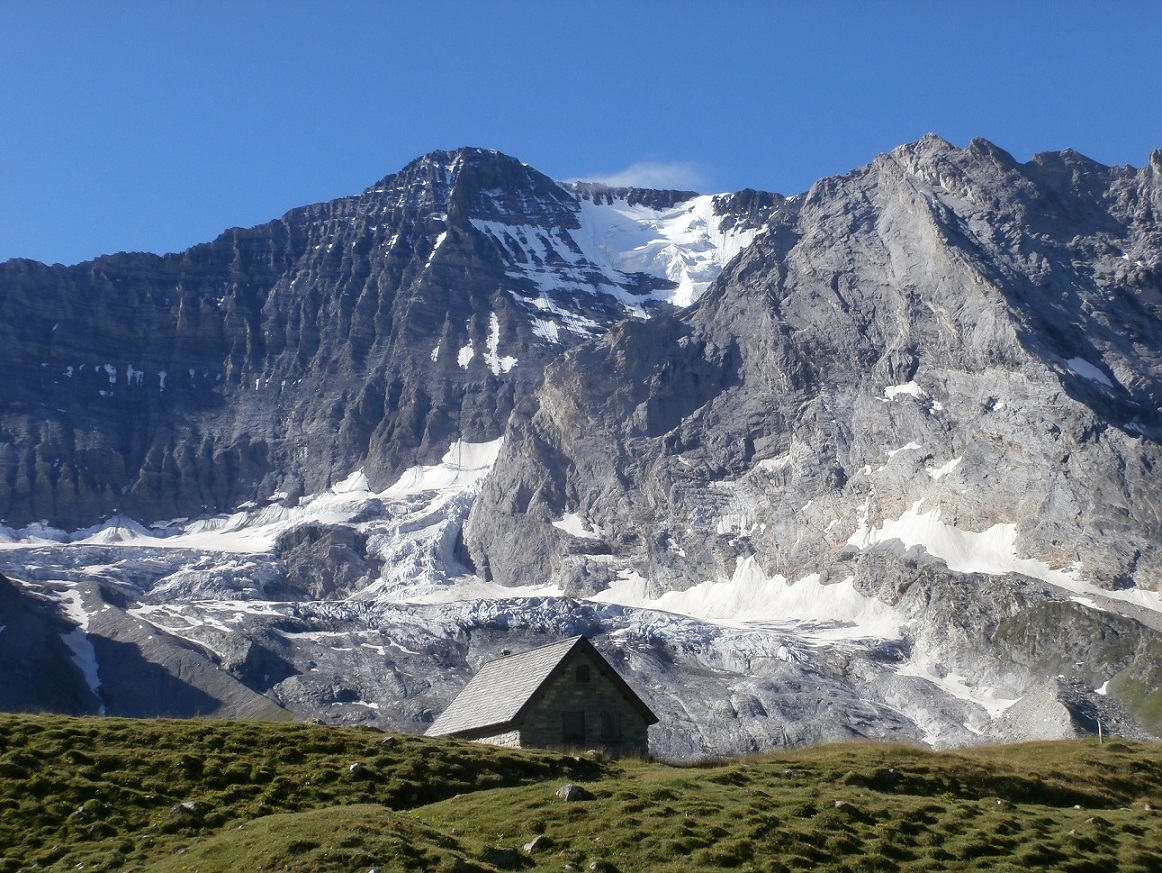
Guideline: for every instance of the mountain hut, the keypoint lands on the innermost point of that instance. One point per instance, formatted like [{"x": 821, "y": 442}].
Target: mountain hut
[{"x": 563, "y": 695}]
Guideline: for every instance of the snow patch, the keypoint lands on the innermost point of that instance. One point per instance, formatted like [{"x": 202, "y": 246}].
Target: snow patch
[
  {"x": 546, "y": 330},
  {"x": 685, "y": 245},
  {"x": 750, "y": 596},
  {"x": 1086, "y": 370},
  {"x": 575, "y": 525},
  {"x": 957, "y": 686},
  {"x": 81, "y": 648},
  {"x": 439, "y": 242},
  {"x": 355, "y": 483},
  {"x": 910, "y": 447},
  {"x": 992, "y": 552},
  {"x": 910, "y": 389},
  {"x": 492, "y": 357},
  {"x": 942, "y": 471},
  {"x": 463, "y": 464}
]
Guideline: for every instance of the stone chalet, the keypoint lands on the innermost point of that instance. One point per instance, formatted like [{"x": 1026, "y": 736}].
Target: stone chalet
[{"x": 564, "y": 695}]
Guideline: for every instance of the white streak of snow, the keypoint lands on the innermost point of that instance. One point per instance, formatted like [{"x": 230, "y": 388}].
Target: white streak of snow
[
  {"x": 83, "y": 653},
  {"x": 943, "y": 470},
  {"x": 492, "y": 357},
  {"x": 906, "y": 448}
]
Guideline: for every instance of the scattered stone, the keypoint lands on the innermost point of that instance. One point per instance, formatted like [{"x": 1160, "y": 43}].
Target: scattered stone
[
  {"x": 388, "y": 741},
  {"x": 573, "y": 792},
  {"x": 356, "y": 769},
  {"x": 186, "y": 807},
  {"x": 537, "y": 844}
]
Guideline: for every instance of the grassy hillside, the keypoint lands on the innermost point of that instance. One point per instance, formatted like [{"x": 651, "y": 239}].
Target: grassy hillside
[{"x": 99, "y": 794}]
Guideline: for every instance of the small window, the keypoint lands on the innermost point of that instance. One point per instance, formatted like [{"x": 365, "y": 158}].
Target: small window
[
  {"x": 610, "y": 726},
  {"x": 573, "y": 728},
  {"x": 583, "y": 673}
]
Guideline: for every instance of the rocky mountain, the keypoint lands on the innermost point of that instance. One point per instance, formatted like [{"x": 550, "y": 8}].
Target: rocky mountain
[
  {"x": 365, "y": 333},
  {"x": 875, "y": 460}
]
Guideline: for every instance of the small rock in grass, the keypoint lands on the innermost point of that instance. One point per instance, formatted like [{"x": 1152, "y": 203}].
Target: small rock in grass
[
  {"x": 388, "y": 741},
  {"x": 537, "y": 844},
  {"x": 356, "y": 768},
  {"x": 186, "y": 807},
  {"x": 572, "y": 792}
]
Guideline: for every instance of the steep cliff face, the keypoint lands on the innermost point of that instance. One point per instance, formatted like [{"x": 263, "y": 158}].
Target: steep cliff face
[
  {"x": 368, "y": 332},
  {"x": 945, "y": 348},
  {"x": 893, "y": 473}
]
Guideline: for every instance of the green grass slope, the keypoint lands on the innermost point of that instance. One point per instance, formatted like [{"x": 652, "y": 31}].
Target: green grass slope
[{"x": 103, "y": 794}]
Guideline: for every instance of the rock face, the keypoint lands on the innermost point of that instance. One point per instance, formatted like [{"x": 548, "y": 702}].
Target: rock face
[
  {"x": 941, "y": 344},
  {"x": 874, "y": 461},
  {"x": 368, "y": 332}
]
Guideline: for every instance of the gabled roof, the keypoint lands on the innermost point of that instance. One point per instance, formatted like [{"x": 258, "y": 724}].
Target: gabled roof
[{"x": 499, "y": 694}]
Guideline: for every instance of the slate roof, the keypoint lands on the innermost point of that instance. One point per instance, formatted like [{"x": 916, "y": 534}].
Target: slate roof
[{"x": 499, "y": 693}]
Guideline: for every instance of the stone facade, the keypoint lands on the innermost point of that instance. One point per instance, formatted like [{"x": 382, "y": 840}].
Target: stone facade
[{"x": 607, "y": 719}]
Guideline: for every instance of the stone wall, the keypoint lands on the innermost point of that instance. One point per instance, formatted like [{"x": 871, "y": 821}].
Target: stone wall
[
  {"x": 542, "y": 727},
  {"x": 511, "y": 739}
]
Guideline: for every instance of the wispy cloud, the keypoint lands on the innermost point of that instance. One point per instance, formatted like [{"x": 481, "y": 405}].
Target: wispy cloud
[{"x": 654, "y": 174}]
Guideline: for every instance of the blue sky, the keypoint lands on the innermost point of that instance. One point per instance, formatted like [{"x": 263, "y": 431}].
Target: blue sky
[{"x": 156, "y": 125}]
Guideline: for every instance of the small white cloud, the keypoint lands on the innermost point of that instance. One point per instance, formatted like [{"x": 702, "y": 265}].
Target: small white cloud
[{"x": 653, "y": 174}]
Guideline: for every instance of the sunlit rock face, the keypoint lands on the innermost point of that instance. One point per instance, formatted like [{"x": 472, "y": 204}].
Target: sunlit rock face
[
  {"x": 945, "y": 349},
  {"x": 876, "y": 461}
]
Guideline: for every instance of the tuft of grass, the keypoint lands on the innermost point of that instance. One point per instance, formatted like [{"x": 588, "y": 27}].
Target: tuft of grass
[{"x": 118, "y": 794}]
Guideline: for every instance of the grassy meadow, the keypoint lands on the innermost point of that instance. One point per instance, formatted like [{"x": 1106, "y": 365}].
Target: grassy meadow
[{"x": 120, "y": 794}]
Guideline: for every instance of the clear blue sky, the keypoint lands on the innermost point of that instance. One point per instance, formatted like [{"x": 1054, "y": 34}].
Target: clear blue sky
[{"x": 156, "y": 125}]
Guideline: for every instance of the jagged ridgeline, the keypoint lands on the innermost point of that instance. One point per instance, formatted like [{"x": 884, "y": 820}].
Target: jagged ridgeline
[
  {"x": 368, "y": 332},
  {"x": 876, "y": 460}
]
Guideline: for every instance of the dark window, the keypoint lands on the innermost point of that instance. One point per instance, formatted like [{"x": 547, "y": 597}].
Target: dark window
[
  {"x": 610, "y": 726},
  {"x": 582, "y": 672},
  {"x": 573, "y": 728}
]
